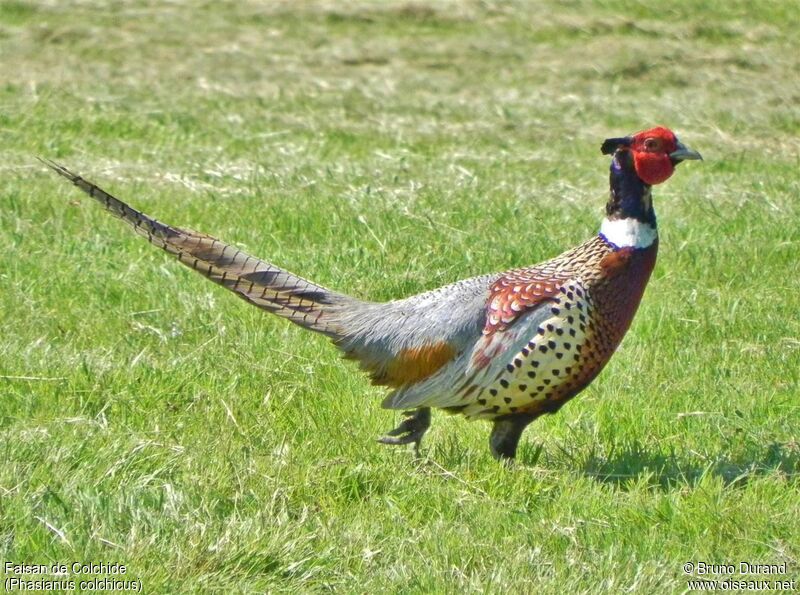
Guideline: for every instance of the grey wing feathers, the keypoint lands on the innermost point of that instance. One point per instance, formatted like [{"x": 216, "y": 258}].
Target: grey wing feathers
[
  {"x": 452, "y": 315},
  {"x": 260, "y": 283}
]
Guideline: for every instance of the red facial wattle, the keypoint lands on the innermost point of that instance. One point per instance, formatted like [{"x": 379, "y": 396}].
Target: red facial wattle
[
  {"x": 651, "y": 154},
  {"x": 652, "y": 168}
]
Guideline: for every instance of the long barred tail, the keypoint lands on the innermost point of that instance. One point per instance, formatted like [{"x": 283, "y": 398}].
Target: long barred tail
[{"x": 261, "y": 283}]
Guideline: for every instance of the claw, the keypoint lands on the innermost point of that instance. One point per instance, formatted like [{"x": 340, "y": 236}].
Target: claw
[{"x": 410, "y": 430}]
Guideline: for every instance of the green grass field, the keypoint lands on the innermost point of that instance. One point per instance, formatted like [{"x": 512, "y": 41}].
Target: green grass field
[{"x": 152, "y": 419}]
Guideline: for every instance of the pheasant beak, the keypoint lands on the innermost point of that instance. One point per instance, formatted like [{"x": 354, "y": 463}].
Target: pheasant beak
[{"x": 683, "y": 153}]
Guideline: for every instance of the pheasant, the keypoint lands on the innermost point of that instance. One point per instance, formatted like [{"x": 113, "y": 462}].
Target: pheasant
[{"x": 505, "y": 347}]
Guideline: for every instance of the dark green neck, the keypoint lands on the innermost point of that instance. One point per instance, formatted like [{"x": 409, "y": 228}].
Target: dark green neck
[{"x": 629, "y": 197}]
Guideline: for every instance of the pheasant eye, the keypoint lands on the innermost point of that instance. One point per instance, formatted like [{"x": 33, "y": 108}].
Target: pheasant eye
[{"x": 651, "y": 144}]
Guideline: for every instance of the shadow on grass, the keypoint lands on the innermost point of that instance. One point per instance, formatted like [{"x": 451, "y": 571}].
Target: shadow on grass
[{"x": 631, "y": 466}]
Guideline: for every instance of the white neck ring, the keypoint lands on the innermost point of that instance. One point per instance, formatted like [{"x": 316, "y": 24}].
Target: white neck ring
[{"x": 628, "y": 233}]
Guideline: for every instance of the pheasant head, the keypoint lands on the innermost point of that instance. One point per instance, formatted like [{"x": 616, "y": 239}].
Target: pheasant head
[{"x": 654, "y": 152}]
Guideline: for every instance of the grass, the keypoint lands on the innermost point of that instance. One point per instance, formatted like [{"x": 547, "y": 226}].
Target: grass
[{"x": 151, "y": 419}]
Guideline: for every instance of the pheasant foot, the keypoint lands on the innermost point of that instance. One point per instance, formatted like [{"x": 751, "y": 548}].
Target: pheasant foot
[{"x": 410, "y": 430}]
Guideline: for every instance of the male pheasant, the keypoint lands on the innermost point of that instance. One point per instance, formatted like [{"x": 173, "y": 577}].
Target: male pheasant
[{"x": 507, "y": 347}]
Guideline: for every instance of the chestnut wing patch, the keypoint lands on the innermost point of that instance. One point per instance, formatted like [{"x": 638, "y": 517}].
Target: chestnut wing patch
[{"x": 515, "y": 293}]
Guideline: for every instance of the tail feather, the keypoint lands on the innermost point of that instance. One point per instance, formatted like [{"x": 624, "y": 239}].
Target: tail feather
[{"x": 260, "y": 283}]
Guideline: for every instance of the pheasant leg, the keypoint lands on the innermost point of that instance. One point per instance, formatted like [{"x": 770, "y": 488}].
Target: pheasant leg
[{"x": 505, "y": 436}]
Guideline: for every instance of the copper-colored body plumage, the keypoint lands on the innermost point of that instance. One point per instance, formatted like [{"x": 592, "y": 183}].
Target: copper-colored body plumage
[{"x": 592, "y": 293}]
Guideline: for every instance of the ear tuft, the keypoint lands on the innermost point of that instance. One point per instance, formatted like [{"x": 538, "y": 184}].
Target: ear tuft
[{"x": 612, "y": 144}]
